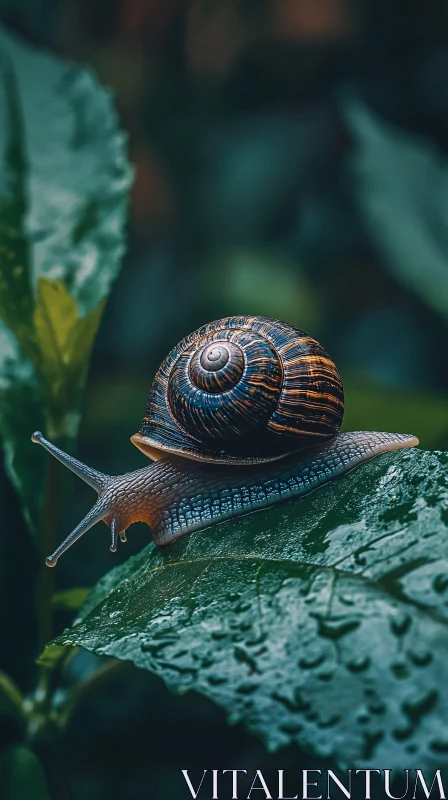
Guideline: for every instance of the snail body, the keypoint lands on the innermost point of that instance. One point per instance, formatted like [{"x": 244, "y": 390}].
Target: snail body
[{"x": 243, "y": 413}]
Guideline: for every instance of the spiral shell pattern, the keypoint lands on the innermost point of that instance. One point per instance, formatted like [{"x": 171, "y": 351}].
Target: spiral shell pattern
[{"x": 243, "y": 390}]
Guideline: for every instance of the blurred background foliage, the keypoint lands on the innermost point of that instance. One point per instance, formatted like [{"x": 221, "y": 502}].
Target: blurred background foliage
[{"x": 291, "y": 160}]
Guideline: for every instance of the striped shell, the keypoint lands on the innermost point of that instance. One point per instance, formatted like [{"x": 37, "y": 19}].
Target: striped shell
[{"x": 242, "y": 390}]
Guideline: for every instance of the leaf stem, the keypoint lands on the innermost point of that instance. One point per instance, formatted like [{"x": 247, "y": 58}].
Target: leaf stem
[
  {"x": 46, "y": 577},
  {"x": 11, "y": 696}
]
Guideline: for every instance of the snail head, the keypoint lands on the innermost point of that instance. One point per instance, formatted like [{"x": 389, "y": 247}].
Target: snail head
[{"x": 117, "y": 506}]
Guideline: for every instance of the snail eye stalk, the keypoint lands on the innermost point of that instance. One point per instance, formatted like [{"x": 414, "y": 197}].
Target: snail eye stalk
[
  {"x": 95, "y": 515},
  {"x": 97, "y": 480}
]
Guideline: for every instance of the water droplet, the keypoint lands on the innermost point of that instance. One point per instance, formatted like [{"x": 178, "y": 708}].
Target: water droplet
[
  {"x": 346, "y": 600},
  {"x": 287, "y": 702},
  {"x": 419, "y": 706},
  {"x": 401, "y": 734},
  {"x": 371, "y": 739},
  {"x": 217, "y": 635},
  {"x": 377, "y": 706},
  {"x": 440, "y": 583},
  {"x": 248, "y": 687},
  {"x": 244, "y": 657},
  {"x": 153, "y": 647},
  {"x": 216, "y": 680},
  {"x": 400, "y": 669},
  {"x": 183, "y": 669},
  {"x": 241, "y": 607},
  {"x": 115, "y": 614},
  {"x": 311, "y": 661},
  {"x": 439, "y": 745},
  {"x": 291, "y": 728},
  {"x": 358, "y": 663},
  {"x": 336, "y": 627},
  {"x": 330, "y": 722},
  {"x": 300, "y": 704},
  {"x": 400, "y": 624},
  {"x": 256, "y": 640},
  {"x": 421, "y": 658},
  {"x": 325, "y": 675}
]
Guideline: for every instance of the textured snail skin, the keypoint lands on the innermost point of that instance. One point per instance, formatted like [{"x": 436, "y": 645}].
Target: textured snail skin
[
  {"x": 186, "y": 496},
  {"x": 176, "y": 496}
]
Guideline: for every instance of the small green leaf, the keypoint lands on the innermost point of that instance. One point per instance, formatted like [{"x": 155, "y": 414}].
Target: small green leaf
[
  {"x": 22, "y": 776},
  {"x": 71, "y": 598},
  {"x": 80, "y": 340},
  {"x": 55, "y": 315},
  {"x": 55, "y": 656},
  {"x": 65, "y": 341},
  {"x": 323, "y": 621}
]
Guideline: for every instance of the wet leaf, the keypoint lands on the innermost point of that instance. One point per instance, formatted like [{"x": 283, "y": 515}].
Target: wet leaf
[
  {"x": 323, "y": 621},
  {"x": 22, "y": 776},
  {"x": 63, "y": 198},
  {"x": 21, "y": 402}
]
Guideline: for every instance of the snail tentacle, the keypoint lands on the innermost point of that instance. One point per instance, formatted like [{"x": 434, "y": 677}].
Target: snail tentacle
[
  {"x": 114, "y": 535},
  {"x": 97, "y": 480},
  {"x": 96, "y": 513}
]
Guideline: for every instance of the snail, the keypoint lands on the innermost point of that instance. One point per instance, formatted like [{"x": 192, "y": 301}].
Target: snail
[{"x": 243, "y": 413}]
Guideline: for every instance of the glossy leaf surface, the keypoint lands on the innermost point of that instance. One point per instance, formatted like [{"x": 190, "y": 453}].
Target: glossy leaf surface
[
  {"x": 323, "y": 621},
  {"x": 62, "y": 210}
]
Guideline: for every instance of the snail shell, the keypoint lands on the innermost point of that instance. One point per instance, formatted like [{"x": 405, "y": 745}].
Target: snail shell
[{"x": 242, "y": 390}]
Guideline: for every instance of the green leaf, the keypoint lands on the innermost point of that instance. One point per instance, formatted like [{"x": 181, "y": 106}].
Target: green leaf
[
  {"x": 21, "y": 406},
  {"x": 71, "y": 598},
  {"x": 78, "y": 173},
  {"x": 323, "y": 621},
  {"x": 401, "y": 183},
  {"x": 16, "y": 298},
  {"x": 65, "y": 341},
  {"x": 55, "y": 315},
  {"x": 55, "y": 657},
  {"x": 63, "y": 200},
  {"x": 22, "y": 776}
]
